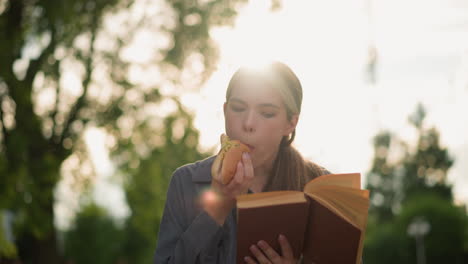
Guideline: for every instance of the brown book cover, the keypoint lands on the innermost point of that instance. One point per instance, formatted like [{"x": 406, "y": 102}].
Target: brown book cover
[
  {"x": 329, "y": 238},
  {"x": 325, "y": 223},
  {"x": 291, "y": 222}
]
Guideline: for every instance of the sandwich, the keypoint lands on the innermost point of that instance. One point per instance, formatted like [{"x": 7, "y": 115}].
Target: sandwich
[{"x": 228, "y": 157}]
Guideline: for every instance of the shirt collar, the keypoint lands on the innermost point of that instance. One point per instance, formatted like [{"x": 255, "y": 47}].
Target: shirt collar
[{"x": 202, "y": 172}]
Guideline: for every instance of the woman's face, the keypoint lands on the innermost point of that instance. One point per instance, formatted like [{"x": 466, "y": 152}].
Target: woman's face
[{"x": 256, "y": 115}]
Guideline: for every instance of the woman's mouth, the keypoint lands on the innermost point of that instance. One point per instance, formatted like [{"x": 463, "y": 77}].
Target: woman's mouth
[{"x": 250, "y": 146}]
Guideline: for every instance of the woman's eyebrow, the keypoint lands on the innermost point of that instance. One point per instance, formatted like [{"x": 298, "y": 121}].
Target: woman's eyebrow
[
  {"x": 233, "y": 99},
  {"x": 269, "y": 105},
  {"x": 237, "y": 100}
]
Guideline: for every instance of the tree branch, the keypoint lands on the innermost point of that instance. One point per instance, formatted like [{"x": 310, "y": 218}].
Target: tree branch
[
  {"x": 4, "y": 130},
  {"x": 35, "y": 65},
  {"x": 80, "y": 102},
  {"x": 11, "y": 43},
  {"x": 53, "y": 115}
]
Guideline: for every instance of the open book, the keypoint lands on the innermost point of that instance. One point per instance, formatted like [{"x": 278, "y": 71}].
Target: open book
[{"x": 325, "y": 223}]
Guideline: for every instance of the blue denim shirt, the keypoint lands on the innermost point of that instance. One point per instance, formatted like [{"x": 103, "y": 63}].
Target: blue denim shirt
[{"x": 187, "y": 234}]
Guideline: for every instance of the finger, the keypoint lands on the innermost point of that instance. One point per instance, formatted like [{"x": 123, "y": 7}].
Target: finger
[
  {"x": 216, "y": 180},
  {"x": 249, "y": 260},
  {"x": 238, "y": 177},
  {"x": 248, "y": 166},
  {"x": 259, "y": 255},
  {"x": 216, "y": 167},
  {"x": 271, "y": 254},
  {"x": 216, "y": 185},
  {"x": 286, "y": 250}
]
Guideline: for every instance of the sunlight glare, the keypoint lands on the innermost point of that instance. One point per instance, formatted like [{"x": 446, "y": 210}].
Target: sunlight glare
[{"x": 328, "y": 49}]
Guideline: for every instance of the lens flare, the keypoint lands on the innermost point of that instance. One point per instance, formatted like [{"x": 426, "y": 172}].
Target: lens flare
[{"x": 209, "y": 198}]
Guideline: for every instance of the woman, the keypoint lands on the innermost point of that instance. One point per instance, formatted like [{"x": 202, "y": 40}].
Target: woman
[{"x": 262, "y": 110}]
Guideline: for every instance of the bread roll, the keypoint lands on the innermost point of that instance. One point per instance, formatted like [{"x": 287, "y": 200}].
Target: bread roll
[{"x": 228, "y": 157}]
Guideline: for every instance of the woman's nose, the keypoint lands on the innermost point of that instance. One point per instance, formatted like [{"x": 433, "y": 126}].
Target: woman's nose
[{"x": 249, "y": 121}]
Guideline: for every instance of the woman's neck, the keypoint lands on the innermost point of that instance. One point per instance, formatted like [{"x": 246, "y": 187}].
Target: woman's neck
[
  {"x": 262, "y": 173},
  {"x": 261, "y": 176}
]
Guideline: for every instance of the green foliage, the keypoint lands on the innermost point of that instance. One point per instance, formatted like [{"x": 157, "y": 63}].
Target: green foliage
[
  {"x": 445, "y": 240},
  {"x": 34, "y": 144},
  {"x": 7, "y": 248},
  {"x": 383, "y": 179},
  {"x": 93, "y": 238},
  {"x": 191, "y": 37},
  {"x": 428, "y": 166},
  {"x": 43, "y": 43},
  {"x": 444, "y": 243},
  {"x": 408, "y": 184},
  {"x": 385, "y": 244},
  {"x": 398, "y": 171},
  {"x": 147, "y": 185}
]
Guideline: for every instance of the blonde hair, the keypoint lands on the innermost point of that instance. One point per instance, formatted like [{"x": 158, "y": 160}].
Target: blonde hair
[{"x": 290, "y": 170}]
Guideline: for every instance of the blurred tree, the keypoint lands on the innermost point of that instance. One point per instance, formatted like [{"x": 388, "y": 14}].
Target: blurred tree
[
  {"x": 69, "y": 65},
  {"x": 382, "y": 180},
  {"x": 407, "y": 184},
  {"x": 7, "y": 247},
  {"x": 444, "y": 242},
  {"x": 147, "y": 186},
  {"x": 429, "y": 165},
  {"x": 398, "y": 172},
  {"x": 93, "y": 238},
  {"x": 383, "y": 244}
]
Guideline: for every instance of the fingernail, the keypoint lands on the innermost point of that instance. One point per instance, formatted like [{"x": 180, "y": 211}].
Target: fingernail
[
  {"x": 261, "y": 243},
  {"x": 281, "y": 237},
  {"x": 245, "y": 155}
]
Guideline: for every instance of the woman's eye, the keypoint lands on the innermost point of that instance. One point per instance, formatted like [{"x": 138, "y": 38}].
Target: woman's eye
[
  {"x": 237, "y": 108},
  {"x": 268, "y": 115}
]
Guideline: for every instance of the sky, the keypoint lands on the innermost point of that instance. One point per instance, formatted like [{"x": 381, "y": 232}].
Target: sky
[{"x": 422, "y": 57}]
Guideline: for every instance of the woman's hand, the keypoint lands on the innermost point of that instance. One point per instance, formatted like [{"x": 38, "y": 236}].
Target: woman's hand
[
  {"x": 226, "y": 194},
  {"x": 266, "y": 254},
  {"x": 241, "y": 181}
]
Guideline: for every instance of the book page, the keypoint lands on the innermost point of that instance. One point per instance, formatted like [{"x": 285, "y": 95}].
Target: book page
[
  {"x": 351, "y": 180},
  {"x": 349, "y": 203},
  {"x": 269, "y": 198}
]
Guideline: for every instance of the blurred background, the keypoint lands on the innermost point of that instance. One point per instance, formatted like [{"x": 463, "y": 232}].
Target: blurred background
[{"x": 100, "y": 101}]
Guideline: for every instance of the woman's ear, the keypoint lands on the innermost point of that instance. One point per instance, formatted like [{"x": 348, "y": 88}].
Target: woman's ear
[{"x": 292, "y": 123}]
